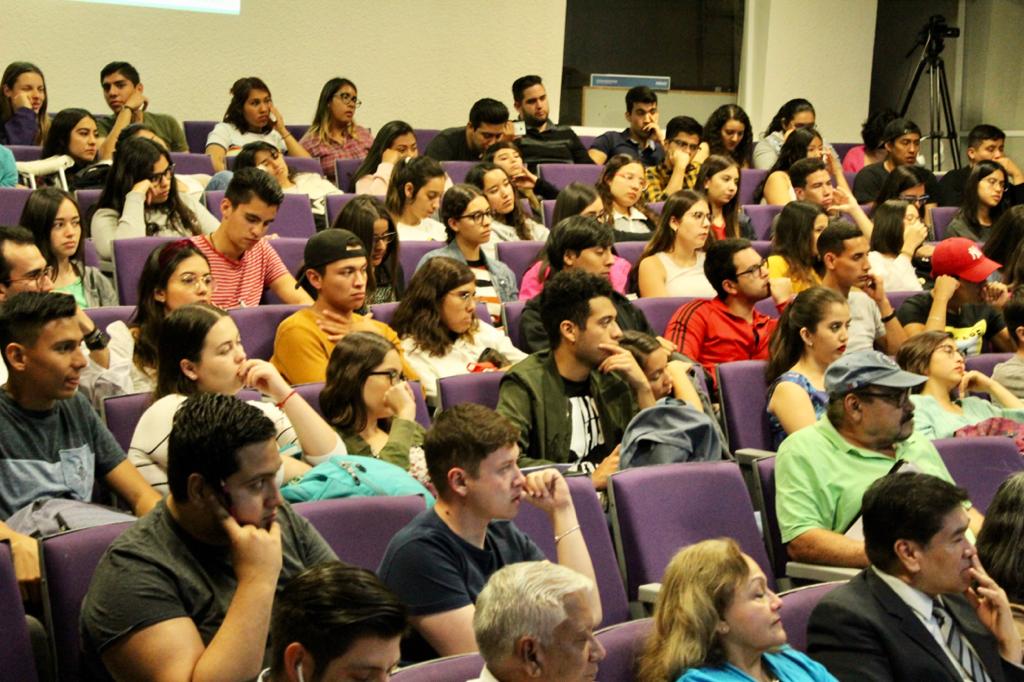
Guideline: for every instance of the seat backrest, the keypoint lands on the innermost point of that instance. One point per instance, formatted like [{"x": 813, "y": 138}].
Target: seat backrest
[
  {"x": 742, "y": 392},
  {"x": 196, "y": 133},
  {"x": 519, "y": 256},
  {"x": 104, "y": 316},
  {"x": 335, "y": 204},
  {"x": 130, "y": 257},
  {"x": 850, "y": 176},
  {"x": 25, "y": 152},
  {"x": 980, "y": 464},
  {"x": 450, "y": 669},
  {"x": 68, "y": 562},
  {"x": 294, "y": 215},
  {"x": 481, "y": 389},
  {"x": 761, "y": 217},
  {"x": 767, "y": 306},
  {"x": 941, "y": 217},
  {"x": 424, "y": 136},
  {"x": 630, "y": 250},
  {"x": 796, "y": 610},
  {"x": 750, "y": 178},
  {"x": 896, "y": 298},
  {"x": 86, "y": 198},
  {"x": 657, "y": 510},
  {"x": 762, "y": 246},
  {"x": 290, "y": 250},
  {"x": 16, "y": 658},
  {"x": 346, "y": 524},
  {"x": 12, "y": 203},
  {"x": 422, "y": 411},
  {"x": 659, "y": 310},
  {"x": 344, "y": 169},
  {"x": 549, "y": 212},
  {"x": 311, "y": 394},
  {"x": 843, "y": 148},
  {"x": 512, "y": 315},
  {"x": 986, "y": 362},
  {"x": 410, "y": 253},
  {"x": 562, "y": 174},
  {"x": 458, "y": 170},
  {"x": 623, "y": 644},
  {"x": 764, "y": 476},
  {"x": 303, "y": 164},
  {"x": 186, "y": 163},
  {"x": 258, "y": 325},
  {"x": 594, "y": 526},
  {"x": 122, "y": 412}
]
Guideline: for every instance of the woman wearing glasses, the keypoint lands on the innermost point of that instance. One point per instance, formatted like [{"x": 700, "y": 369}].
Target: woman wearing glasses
[
  {"x": 983, "y": 202},
  {"x": 672, "y": 263},
  {"x": 467, "y": 216},
  {"x": 334, "y": 134},
  {"x": 52, "y": 215},
  {"x": 141, "y": 199},
  {"x": 510, "y": 223},
  {"x": 440, "y": 331},
  {"x": 367, "y": 218},
  {"x": 621, "y": 188}
]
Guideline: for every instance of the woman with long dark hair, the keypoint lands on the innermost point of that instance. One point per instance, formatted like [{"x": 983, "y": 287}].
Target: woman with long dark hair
[
  {"x": 672, "y": 263},
  {"x": 396, "y": 140},
  {"x": 621, "y": 188},
  {"x": 776, "y": 188},
  {"x": 794, "y": 245},
  {"x": 983, "y": 202},
  {"x": 728, "y": 133},
  {"x": 73, "y": 133},
  {"x": 23, "y": 105},
  {"x": 414, "y": 195},
  {"x": 367, "y": 218},
  {"x": 719, "y": 180},
  {"x": 897, "y": 234},
  {"x": 510, "y": 223},
  {"x": 795, "y": 114},
  {"x": 334, "y": 134}
]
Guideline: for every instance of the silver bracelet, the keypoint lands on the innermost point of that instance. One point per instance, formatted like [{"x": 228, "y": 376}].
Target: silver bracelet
[{"x": 558, "y": 538}]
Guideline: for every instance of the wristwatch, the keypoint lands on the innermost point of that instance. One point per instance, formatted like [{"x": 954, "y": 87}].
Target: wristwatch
[{"x": 97, "y": 339}]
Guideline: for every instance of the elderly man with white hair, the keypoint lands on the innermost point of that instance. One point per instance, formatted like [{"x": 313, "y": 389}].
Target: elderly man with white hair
[{"x": 534, "y": 621}]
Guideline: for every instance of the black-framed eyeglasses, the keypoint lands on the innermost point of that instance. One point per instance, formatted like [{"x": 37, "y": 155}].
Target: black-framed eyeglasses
[
  {"x": 478, "y": 216},
  {"x": 37, "y": 276},
  {"x": 685, "y": 145},
  {"x": 754, "y": 269},
  {"x": 157, "y": 178},
  {"x": 897, "y": 399},
  {"x": 914, "y": 199},
  {"x": 394, "y": 376},
  {"x": 385, "y": 238},
  {"x": 349, "y": 99}
]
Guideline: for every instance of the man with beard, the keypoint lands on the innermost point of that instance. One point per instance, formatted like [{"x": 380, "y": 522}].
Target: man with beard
[
  {"x": 822, "y": 471},
  {"x": 642, "y": 139},
  {"x": 544, "y": 141}
]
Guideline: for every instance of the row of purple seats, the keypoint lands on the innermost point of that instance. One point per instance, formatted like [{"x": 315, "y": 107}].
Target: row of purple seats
[
  {"x": 294, "y": 215},
  {"x": 16, "y": 658},
  {"x": 548, "y": 206}
]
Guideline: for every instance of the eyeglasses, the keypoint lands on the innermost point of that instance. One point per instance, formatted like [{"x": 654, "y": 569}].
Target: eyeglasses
[
  {"x": 394, "y": 376},
  {"x": 157, "y": 178},
  {"x": 630, "y": 178},
  {"x": 478, "y": 216},
  {"x": 37, "y": 276},
  {"x": 385, "y": 238},
  {"x": 685, "y": 145},
  {"x": 914, "y": 199},
  {"x": 349, "y": 99},
  {"x": 699, "y": 216},
  {"x": 464, "y": 296},
  {"x": 754, "y": 269},
  {"x": 899, "y": 399},
  {"x": 192, "y": 280}
]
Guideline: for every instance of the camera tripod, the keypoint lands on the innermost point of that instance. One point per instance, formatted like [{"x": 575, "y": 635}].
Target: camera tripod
[{"x": 939, "y": 103}]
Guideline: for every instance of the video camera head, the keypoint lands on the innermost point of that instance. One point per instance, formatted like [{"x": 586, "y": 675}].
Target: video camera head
[{"x": 934, "y": 32}]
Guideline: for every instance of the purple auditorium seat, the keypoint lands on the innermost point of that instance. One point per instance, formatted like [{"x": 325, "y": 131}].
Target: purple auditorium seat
[
  {"x": 519, "y": 256},
  {"x": 89, "y": 255},
  {"x": 481, "y": 389},
  {"x": 423, "y": 137},
  {"x": 12, "y": 203},
  {"x": 294, "y": 216},
  {"x": 290, "y": 250},
  {"x": 657, "y": 510},
  {"x": 410, "y": 253},
  {"x": 797, "y": 605},
  {"x": 457, "y": 668},
  {"x": 843, "y": 148},
  {"x": 196, "y": 133},
  {"x": 297, "y": 130},
  {"x": 191, "y": 164},
  {"x": 941, "y": 217},
  {"x": 105, "y": 316},
  {"x": 587, "y": 140},
  {"x": 986, "y": 362},
  {"x": 549, "y": 212},
  {"x": 129, "y": 260},
  {"x": 16, "y": 658},
  {"x": 511, "y": 316},
  {"x": 258, "y": 325},
  {"x": 344, "y": 169},
  {"x": 763, "y": 247},
  {"x": 87, "y": 198},
  {"x": 623, "y": 644},
  {"x": 305, "y": 164},
  {"x": 659, "y": 310},
  {"x": 768, "y": 307},
  {"x": 25, "y": 152},
  {"x": 630, "y": 250},
  {"x": 980, "y": 464},
  {"x": 761, "y": 217},
  {"x": 764, "y": 501},
  {"x": 311, "y": 394},
  {"x": 562, "y": 174},
  {"x": 335, "y": 204},
  {"x": 742, "y": 393},
  {"x": 750, "y": 178},
  {"x": 422, "y": 411},
  {"x": 340, "y": 520},
  {"x": 656, "y": 207},
  {"x": 850, "y": 177},
  {"x": 594, "y": 526},
  {"x": 896, "y": 298},
  {"x": 457, "y": 170},
  {"x": 68, "y": 562}
]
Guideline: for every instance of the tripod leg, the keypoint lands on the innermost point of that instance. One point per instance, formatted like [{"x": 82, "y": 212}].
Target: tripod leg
[
  {"x": 947, "y": 110},
  {"x": 913, "y": 84}
]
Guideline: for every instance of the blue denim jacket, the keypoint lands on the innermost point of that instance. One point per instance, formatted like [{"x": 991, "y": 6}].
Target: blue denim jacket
[{"x": 501, "y": 277}]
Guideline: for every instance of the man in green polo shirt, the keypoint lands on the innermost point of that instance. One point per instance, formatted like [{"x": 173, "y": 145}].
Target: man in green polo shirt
[{"x": 823, "y": 470}]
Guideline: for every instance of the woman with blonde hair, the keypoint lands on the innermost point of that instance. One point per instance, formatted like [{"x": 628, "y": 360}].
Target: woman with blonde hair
[{"x": 716, "y": 619}]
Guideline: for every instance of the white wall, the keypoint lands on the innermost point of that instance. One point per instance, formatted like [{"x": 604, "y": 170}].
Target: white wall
[
  {"x": 423, "y": 62},
  {"x": 821, "y": 51}
]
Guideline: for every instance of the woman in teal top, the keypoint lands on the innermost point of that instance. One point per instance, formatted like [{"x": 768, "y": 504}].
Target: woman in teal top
[
  {"x": 716, "y": 619},
  {"x": 942, "y": 406},
  {"x": 52, "y": 215}
]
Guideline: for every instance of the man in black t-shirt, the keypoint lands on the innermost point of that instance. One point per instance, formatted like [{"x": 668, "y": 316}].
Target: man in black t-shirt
[
  {"x": 488, "y": 123},
  {"x": 902, "y": 140},
  {"x": 544, "y": 142},
  {"x": 439, "y": 563},
  {"x": 984, "y": 143}
]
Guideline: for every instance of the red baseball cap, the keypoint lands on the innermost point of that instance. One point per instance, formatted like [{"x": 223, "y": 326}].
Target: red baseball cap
[{"x": 962, "y": 258}]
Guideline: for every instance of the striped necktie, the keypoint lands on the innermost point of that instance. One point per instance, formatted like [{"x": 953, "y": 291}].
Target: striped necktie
[{"x": 957, "y": 644}]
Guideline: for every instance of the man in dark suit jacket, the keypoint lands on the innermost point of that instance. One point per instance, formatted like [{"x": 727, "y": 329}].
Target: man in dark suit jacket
[{"x": 925, "y": 609}]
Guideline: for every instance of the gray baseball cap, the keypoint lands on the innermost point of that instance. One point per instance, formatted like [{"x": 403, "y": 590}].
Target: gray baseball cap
[{"x": 867, "y": 368}]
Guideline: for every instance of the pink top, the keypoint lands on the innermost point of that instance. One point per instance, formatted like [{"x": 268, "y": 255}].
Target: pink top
[
  {"x": 530, "y": 285},
  {"x": 240, "y": 283},
  {"x": 854, "y": 159},
  {"x": 354, "y": 147}
]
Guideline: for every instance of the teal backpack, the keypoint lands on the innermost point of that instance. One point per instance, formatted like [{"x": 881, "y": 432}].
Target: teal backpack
[{"x": 353, "y": 476}]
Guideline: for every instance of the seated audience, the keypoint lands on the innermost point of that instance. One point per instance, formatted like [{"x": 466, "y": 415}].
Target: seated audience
[
  {"x": 984, "y": 143},
  {"x": 578, "y": 243},
  {"x": 716, "y": 619},
  {"x": 942, "y": 406},
  {"x": 792, "y": 116},
  {"x": 873, "y": 149},
  {"x": 667, "y": 373},
  {"x": 440, "y": 331},
  {"x": 438, "y": 563},
  {"x": 572, "y": 403},
  {"x": 999, "y": 544},
  {"x": 266, "y": 156},
  {"x": 684, "y": 154},
  {"x": 488, "y": 121},
  {"x": 142, "y": 199},
  {"x": 1011, "y": 373},
  {"x": 902, "y": 139},
  {"x": 73, "y": 133},
  {"x": 334, "y": 133},
  {"x": 187, "y": 591},
  {"x": 250, "y": 117},
  {"x": 544, "y": 141},
  {"x": 776, "y": 188},
  {"x": 795, "y": 246},
  {"x": 811, "y": 335},
  {"x": 982, "y": 204},
  {"x": 812, "y": 180},
  {"x": 897, "y": 235},
  {"x": 23, "y": 105},
  {"x": 534, "y": 620},
  {"x": 621, "y": 188},
  {"x": 334, "y": 622},
  {"x": 200, "y": 351},
  {"x": 719, "y": 180},
  {"x": 961, "y": 302},
  {"x": 1002, "y": 244},
  {"x": 642, "y": 140},
  {"x": 123, "y": 92},
  {"x": 414, "y": 195},
  {"x": 467, "y": 217},
  {"x": 925, "y": 609},
  {"x": 509, "y": 222},
  {"x": 844, "y": 254},
  {"x": 335, "y": 273},
  {"x": 728, "y": 133},
  {"x": 906, "y": 183},
  {"x": 243, "y": 263},
  {"x": 193, "y": 184},
  {"x": 52, "y": 216},
  {"x": 672, "y": 263},
  {"x": 367, "y": 218},
  {"x": 822, "y": 471},
  {"x": 506, "y": 155},
  {"x": 55, "y": 447},
  {"x": 727, "y": 327},
  {"x": 395, "y": 141}
]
